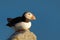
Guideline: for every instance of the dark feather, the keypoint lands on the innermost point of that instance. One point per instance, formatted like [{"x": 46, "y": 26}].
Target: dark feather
[
  {"x": 9, "y": 19},
  {"x": 12, "y": 22}
]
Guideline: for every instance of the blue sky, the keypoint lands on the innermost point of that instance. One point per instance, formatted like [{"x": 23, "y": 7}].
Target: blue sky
[{"x": 47, "y": 25}]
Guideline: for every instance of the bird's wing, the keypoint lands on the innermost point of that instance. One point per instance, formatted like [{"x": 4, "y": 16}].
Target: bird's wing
[{"x": 9, "y": 19}]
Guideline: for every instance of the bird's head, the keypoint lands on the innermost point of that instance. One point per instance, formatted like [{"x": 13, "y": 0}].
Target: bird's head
[{"x": 29, "y": 15}]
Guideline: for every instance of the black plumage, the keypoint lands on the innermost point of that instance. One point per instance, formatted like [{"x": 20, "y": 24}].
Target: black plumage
[{"x": 13, "y": 21}]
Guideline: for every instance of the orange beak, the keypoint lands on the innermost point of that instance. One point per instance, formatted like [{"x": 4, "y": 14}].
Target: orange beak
[{"x": 33, "y": 18}]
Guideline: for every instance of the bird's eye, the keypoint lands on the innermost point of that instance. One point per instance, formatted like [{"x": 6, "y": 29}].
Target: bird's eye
[{"x": 28, "y": 14}]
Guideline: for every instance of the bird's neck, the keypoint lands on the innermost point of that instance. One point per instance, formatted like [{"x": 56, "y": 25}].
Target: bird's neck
[{"x": 25, "y": 19}]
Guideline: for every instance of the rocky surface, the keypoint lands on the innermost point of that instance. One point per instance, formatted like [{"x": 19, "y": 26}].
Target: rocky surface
[{"x": 26, "y": 35}]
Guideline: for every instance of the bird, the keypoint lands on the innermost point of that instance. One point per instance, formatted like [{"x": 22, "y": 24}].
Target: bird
[{"x": 21, "y": 23}]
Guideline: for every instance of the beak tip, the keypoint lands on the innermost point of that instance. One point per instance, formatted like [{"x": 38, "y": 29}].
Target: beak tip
[{"x": 34, "y": 18}]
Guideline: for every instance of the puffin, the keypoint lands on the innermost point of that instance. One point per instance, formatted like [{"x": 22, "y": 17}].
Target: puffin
[{"x": 21, "y": 23}]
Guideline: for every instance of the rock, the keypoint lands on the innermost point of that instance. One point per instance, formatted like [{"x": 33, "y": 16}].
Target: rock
[{"x": 26, "y": 35}]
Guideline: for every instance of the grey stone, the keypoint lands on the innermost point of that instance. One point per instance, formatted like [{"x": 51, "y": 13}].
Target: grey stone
[{"x": 25, "y": 35}]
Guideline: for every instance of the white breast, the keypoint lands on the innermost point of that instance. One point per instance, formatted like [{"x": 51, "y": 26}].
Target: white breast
[{"x": 23, "y": 25}]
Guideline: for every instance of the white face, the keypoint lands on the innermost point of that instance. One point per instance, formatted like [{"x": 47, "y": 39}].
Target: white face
[{"x": 30, "y": 16}]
